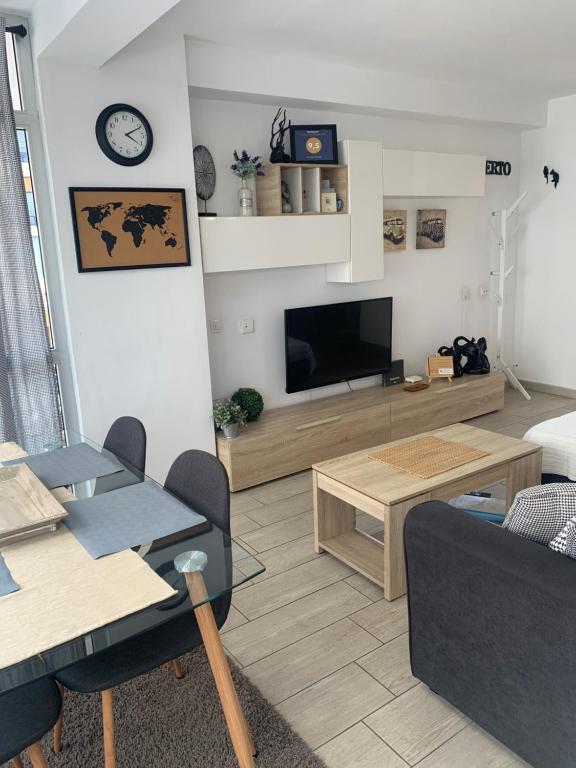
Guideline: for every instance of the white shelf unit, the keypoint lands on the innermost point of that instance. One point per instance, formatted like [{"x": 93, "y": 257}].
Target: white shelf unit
[
  {"x": 237, "y": 243},
  {"x": 365, "y": 205},
  {"x": 407, "y": 173}
]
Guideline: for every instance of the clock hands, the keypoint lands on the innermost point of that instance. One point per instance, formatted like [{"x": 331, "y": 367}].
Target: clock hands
[{"x": 132, "y": 131}]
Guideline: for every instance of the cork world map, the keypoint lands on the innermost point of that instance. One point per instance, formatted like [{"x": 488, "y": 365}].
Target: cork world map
[{"x": 119, "y": 229}]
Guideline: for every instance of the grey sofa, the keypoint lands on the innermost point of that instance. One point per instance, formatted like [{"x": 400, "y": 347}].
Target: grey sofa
[{"x": 493, "y": 629}]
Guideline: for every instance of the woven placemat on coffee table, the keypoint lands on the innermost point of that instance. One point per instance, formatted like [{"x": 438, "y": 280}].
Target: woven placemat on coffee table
[{"x": 428, "y": 456}]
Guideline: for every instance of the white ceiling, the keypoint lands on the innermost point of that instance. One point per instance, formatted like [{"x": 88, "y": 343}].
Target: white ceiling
[{"x": 504, "y": 42}]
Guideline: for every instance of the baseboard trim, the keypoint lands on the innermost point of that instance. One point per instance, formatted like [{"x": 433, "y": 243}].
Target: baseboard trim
[{"x": 549, "y": 389}]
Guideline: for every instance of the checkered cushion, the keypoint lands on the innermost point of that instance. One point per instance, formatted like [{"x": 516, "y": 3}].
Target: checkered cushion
[
  {"x": 540, "y": 513},
  {"x": 565, "y": 542}
]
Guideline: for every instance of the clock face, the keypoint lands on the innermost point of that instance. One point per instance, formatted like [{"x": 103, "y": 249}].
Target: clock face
[{"x": 124, "y": 134}]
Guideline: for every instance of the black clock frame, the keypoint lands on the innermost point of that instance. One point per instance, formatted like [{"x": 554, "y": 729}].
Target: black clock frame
[{"x": 102, "y": 139}]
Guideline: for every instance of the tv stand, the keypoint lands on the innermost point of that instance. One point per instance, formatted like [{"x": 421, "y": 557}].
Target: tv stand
[{"x": 291, "y": 439}]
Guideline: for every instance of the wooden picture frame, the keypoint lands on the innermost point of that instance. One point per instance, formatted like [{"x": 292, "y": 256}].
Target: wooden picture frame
[
  {"x": 314, "y": 144},
  {"x": 129, "y": 228},
  {"x": 440, "y": 367}
]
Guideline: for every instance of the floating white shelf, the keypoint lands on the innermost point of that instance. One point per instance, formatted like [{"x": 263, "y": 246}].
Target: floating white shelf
[{"x": 237, "y": 243}]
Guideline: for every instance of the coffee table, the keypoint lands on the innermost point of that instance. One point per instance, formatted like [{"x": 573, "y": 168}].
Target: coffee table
[{"x": 356, "y": 482}]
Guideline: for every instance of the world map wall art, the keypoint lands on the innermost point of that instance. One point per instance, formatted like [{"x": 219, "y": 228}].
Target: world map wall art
[{"x": 129, "y": 228}]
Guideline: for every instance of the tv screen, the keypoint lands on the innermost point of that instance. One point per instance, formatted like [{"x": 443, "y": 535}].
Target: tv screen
[{"x": 337, "y": 342}]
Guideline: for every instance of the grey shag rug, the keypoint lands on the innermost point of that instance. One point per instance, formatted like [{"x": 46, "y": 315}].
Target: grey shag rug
[{"x": 162, "y": 722}]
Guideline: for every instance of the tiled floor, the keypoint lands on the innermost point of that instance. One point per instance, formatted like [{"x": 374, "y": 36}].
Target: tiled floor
[{"x": 326, "y": 649}]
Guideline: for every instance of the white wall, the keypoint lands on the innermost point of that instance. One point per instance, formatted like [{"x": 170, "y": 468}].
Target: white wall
[
  {"x": 547, "y": 263},
  {"x": 426, "y": 285},
  {"x": 138, "y": 336}
]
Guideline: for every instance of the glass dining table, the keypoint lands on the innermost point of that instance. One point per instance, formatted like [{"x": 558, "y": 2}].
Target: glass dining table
[{"x": 224, "y": 566}]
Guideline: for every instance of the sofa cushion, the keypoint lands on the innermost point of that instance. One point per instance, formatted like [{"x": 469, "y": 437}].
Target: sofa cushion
[
  {"x": 540, "y": 513},
  {"x": 565, "y": 541}
]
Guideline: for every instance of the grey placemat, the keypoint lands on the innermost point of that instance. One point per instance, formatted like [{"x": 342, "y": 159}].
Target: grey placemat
[
  {"x": 7, "y": 583},
  {"x": 64, "y": 466},
  {"x": 128, "y": 517}
]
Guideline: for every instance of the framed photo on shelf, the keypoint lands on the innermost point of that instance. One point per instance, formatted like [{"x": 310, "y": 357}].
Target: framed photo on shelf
[
  {"x": 129, "y": 228},
  {"x": 314, "y": 144}
]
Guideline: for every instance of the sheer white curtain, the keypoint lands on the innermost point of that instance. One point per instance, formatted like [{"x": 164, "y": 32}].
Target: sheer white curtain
[{"x": 29, "y": 411}]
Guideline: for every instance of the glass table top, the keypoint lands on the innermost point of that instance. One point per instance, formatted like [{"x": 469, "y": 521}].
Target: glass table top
[{"x": 228, "y": 567}]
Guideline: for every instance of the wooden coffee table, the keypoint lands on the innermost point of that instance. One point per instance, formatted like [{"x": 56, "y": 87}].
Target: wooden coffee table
[{"x": 356, "y": 482}]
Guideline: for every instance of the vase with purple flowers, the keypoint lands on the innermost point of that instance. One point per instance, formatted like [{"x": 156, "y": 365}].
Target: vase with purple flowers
[{"x": 246, "y": 168}]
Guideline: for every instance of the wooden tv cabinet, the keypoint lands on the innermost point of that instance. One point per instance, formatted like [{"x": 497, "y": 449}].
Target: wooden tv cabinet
[{"x": 291, "y": 439}]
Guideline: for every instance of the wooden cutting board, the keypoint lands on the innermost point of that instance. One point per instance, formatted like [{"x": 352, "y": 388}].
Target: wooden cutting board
[{"x": 27, "y": 507}]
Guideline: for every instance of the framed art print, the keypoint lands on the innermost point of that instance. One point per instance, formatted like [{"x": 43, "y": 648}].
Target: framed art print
[
  {"x": 314, "y": 144},
  {"x": 129, "y": 228},
  {"x": 431, "y": 228},
  {"x": 395, "y": 230}
]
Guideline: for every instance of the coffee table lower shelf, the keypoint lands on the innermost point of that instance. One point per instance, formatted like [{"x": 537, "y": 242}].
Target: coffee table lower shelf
[{"x": 359, "y": 552}]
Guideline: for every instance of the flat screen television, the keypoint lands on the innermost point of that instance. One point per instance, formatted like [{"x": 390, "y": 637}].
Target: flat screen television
[{"x": 337, "y": 342}]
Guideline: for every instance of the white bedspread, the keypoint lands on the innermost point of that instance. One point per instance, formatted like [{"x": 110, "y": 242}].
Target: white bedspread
[{"x": 558, "y": 439}]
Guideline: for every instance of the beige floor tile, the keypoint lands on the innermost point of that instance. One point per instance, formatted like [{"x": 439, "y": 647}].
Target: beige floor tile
[
  {"x": 281, "y": 489},
  {"x": 367, "y": 587},
  {"x": 518, "y": 429},
  {"x": 242, "y": 502},
  {"x": 539, "y": 404},
  {"x": 473, "y": 748},
  {"x": 492, "y": 421},
  {"x": 287, "y": 587},
  {"x": 328, "y": 707},
  {"x": 369, "y": 524},
  {"x": 416, "y": 723},
  {"x": 282, "y": 509},
  {"x": 302, "y": 664},
  {"x": 286, "y": 556},
  {"x": 279, "y": 533},
  {"x": 259, "y": 638},
  {"x": 240, "y": 524},
  {"x": 383, "y": 619},
  {"x": 390, "y": 665},
  {"x": 359, "y": 747},
  {"x": 235, "y": 619}
]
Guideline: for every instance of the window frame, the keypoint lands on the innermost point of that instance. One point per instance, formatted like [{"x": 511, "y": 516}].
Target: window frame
[{"x": 28, "y": 119}]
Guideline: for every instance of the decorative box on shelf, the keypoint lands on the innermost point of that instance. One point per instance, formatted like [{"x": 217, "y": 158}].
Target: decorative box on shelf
[{"x": 302, "y": 187}]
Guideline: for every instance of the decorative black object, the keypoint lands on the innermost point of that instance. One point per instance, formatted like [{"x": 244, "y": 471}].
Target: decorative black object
[
  {"x": 551, "y": 175},
  {"x": 250, "y": 401},
  {"x": 124, "y": 134},
  {"x": 19, "y": 30},
  {"x": 205, "y": 172},
  {"x": 395, "y": 375},
  {"x": 498, "y": 168},
  {"x": 278, "y": 154},
  {"x": 474, "y": 352},
  {"x": 315, "y": 144}
]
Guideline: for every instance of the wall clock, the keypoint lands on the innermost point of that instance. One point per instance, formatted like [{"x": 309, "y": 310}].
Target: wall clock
[{"x": 124, "y": 134}]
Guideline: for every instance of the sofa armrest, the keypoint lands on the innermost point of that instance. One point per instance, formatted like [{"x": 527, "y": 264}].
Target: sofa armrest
[{"x": 492, "y": 627}]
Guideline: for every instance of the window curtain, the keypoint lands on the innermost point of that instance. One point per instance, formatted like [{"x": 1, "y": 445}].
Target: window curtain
[{"x": 29, "y": 413}]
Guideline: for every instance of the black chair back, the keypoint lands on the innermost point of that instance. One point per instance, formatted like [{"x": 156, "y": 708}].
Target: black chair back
[
  {"x": 199, "y": 480},
  {"x": 126, "y": 439}
]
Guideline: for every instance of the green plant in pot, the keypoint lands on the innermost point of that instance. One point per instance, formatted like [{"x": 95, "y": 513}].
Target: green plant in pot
[
  {"x": 228, "y": 417},
  {"x": 250, "y": 401}
]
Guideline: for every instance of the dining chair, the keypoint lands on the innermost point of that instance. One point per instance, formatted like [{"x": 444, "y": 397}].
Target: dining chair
[
  {"x": 126, "y": 439},
  {"x": 26, "y": 714},
  {"x": 199, "y": 480}
]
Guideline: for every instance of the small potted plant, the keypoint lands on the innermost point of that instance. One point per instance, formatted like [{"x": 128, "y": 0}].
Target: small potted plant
[
  {"x": 246, "y": 168},
  {"x": 250, "y": 401},
  {"x": 228, "y": 417}
]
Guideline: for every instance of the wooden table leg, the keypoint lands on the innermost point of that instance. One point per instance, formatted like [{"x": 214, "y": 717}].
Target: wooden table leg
[
  {"x": 108, "y": 728},
  {"x": 17, "y": 762},
  {"x": 178, "y": 668},
  {"x": 58, "y": 728},
  {"x": 523, "y": 473},
  {"x": 237, "y": 725},
  {"x": 332, "y": 516},
  {"x": 36, "y": 756},
  {"x": 394, "y": 562}
]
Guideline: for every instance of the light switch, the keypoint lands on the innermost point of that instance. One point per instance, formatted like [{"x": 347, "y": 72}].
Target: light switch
[{"x": 246, "y": 325}]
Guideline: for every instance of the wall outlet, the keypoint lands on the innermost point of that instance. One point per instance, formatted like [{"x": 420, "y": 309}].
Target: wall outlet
[
  {"x": 466, "y": 293},
  {"x": 246, "y": 325},
  {"x": 484, "y": 291},
  {"x": 215, "y": 326}
]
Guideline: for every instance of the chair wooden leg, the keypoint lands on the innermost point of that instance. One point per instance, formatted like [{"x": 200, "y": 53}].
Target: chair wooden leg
[
  {"x": 108, "y": 727},
  {"x": 178, "y": 668},
  {"x": 237, "y": 725},
  {"x": 36, "y": 756},
  {"x": 57, "y": 735},
  {"x": 17, "y": 762}
]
